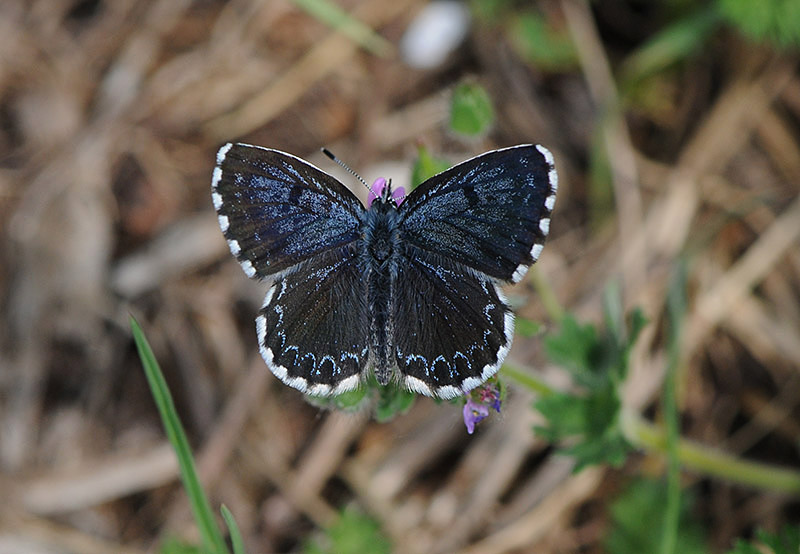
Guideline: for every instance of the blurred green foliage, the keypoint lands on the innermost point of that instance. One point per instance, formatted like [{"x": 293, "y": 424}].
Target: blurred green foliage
[
  {"x": 597, "y": 361},
  {"x": 637, "y": 522},
  {"x": 393, "y": 400},
  {"x": 426, "y": 166},
  {"x": 471, "y": 111},
  {"x": 674, "y": 43},
  {"x": 546, "y": 46},
  {"x": 385, "y": 401},
  {"x": 526, "y": 327},
  {"x": 773, "y": 21},
  {"x": 787, "y": 541},
  {"x": 352, "y": 533},
  {"x": 329, "y": 13}
]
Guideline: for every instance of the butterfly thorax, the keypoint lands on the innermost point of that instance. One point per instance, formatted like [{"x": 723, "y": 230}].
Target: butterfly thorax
[{"x": 379, "y": 256}]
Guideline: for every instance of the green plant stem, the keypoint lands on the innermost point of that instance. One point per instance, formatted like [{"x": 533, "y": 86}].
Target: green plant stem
[
  {"x": 714, "y": 463},
  {"x": 526, "y": 380},
  {"x": 676, "y": 310},
  {"x": 710, "y": 461}
]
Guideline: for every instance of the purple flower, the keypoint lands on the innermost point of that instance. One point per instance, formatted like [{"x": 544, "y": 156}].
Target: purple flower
[
  {"x": 473, "y": 414},
  {"x": 478, "y": 403},
  {"x": 377, "y": 188},
  {"x": 489, "y": 394}
]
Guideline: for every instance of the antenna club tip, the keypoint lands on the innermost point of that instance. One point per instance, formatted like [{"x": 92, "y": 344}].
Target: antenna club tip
[{"x": 328, "y": 153}]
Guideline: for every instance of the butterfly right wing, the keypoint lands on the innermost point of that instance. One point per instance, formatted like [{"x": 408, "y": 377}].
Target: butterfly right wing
[
  {"x": 483, "y": 221},
  {"x": 277, "y": 211},
  {"x": 490, "y": 213}
]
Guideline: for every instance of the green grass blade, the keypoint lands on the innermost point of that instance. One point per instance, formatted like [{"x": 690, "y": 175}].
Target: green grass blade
[
  {"x": 360, "y": 33},
  {"x": 209, "y": 531},
  {"x": 676, "y": 309},
  {"x": 233, "y": 529},
  {"x": 671, "y": 45}
]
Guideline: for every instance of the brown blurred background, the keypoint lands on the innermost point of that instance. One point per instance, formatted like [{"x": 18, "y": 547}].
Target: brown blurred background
[{"x": 110, "y": 116}]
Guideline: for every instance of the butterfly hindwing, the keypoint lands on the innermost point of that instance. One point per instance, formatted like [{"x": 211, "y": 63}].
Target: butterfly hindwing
[
  {"x": 490, "y": 213},
  {"x": 452, "y": 329},
  {"x": 277, "y": 211},
  {"x": 311, "y": 328}
]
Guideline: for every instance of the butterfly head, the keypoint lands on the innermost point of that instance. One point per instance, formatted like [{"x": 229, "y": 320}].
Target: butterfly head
[{"x": 382, "y": 191}]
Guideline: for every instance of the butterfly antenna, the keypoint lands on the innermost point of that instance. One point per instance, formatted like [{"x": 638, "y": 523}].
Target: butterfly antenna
[
  {"x": 344, "y": 165},
  {"x": 401, "y": 188}
]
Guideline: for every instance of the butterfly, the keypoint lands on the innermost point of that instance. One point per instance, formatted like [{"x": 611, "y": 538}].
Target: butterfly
[{"x": 407, "y": 288}]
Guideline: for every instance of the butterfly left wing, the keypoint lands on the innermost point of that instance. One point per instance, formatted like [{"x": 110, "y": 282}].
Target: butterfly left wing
[
  {"x": 278, "y": 211},
  {"x": 286, "y": 219},
  {"x": 490, "y": 213}
]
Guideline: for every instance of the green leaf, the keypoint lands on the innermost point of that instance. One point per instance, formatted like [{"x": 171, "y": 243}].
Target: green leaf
[
  {"x": 787, "y": 541},
  {"x": 775, "y": 21},
  {"x": 637, "y": 522},
  {"x": 544, "y": 45},
  {"x": 565, "y": 414},
  {"x": 742, "y": 547},
  {"x": 573, "y": 348},
  {"x": 393, "y": 400},
  {"x": 387, "y": 401},
  {"x": 471, "y": 111},
  {"x": 204, "y": 517},
  {"x": 353, "y": 533},
  {"x": 233, "y": 529},
  {"x": 350, "y": 401},
  {"x": 592, "y": 420},
  {"x": 611, "y": 449},
  {"x": 588, "y": 419},
  {"x": 426, "y": 166}
]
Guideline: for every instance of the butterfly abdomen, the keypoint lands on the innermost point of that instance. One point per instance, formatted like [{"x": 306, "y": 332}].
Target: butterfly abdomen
[{"x": 379, "y": 257}]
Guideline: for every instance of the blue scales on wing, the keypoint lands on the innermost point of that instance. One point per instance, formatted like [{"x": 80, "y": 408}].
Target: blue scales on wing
[
  {"x": 452, "y": 328},
  {"x": 277, "y": 211},
  {"x": 490, "y": 213}
]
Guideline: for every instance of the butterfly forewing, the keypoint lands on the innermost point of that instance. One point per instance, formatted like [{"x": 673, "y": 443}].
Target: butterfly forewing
[
  {"x": 490, "y": 213},
  {"x": 277, "y": 211},
  {"x": 311, "y": 329},
  {"x": 452, "y": 328}
]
